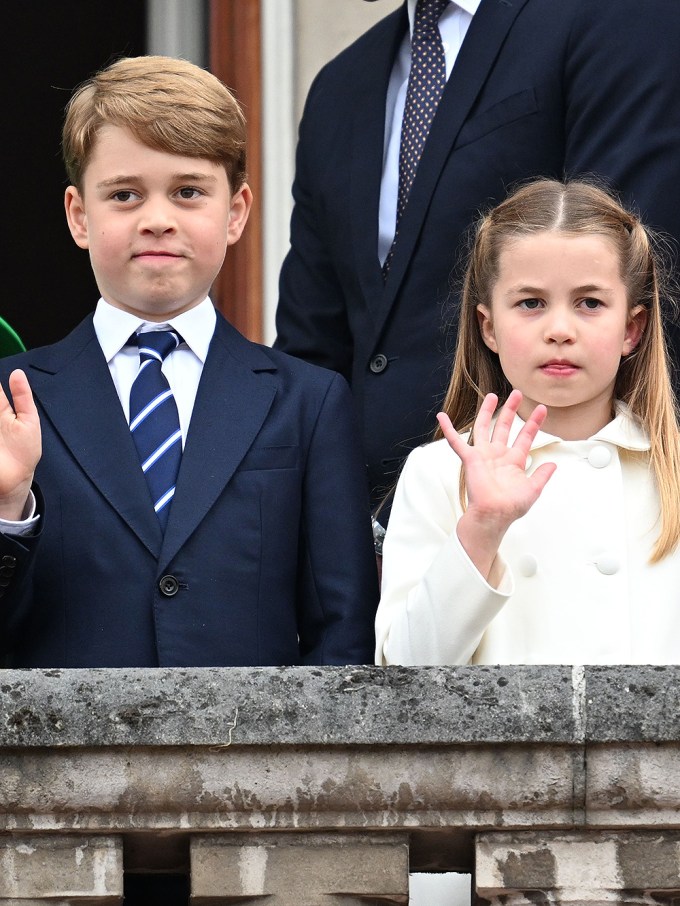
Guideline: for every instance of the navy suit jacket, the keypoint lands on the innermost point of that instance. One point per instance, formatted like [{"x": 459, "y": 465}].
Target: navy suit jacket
[
  {"x": 267, "y": 557},
  {"x": 540, "y": 88}
]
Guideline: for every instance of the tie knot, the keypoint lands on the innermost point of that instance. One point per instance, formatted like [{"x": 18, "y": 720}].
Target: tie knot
[
  {"x": 156, "y": 344},
  {"x": 428, "y": 13}
]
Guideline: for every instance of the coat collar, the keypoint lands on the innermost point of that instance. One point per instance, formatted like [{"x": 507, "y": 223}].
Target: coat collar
[{"x": 623, "y": 431}]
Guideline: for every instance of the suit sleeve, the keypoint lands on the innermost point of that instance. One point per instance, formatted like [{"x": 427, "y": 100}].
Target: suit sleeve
[
  {"x": 311, "y": 319},
  {"x": 338, "y": 582},
  {"x": 17, "y": 555},
  {"x": 435, "y": 605},
  {"x": 622, "y": 114}
]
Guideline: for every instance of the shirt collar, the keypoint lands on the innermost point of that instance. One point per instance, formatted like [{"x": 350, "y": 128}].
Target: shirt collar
[
  {"x": 623, "y": 430},
  {"x": 469, "y": 6},
  {"x": 114, "y": 327}
]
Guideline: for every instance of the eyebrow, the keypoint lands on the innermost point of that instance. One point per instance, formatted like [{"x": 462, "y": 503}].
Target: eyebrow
[
  {"x": 586, "y": 288},
  {"x": 123, "y": 180}
]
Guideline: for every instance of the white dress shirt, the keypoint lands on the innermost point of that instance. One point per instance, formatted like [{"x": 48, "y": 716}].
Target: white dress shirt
[
  {"x": 183, "y": 368},
  {"x": 453, "y": 26}
]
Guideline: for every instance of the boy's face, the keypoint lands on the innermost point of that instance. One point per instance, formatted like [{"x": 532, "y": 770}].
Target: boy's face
[{"x": 157, "y": 225}]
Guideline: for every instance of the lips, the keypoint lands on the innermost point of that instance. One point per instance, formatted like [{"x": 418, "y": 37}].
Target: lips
[
  {"x": 559, "y": 368},
  {"x": 156, "y": 253}
]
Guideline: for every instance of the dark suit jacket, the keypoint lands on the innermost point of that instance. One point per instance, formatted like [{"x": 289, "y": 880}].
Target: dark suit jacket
[
  {"x": 540, "y": 88},
  {"x": 268, "y": 538}
]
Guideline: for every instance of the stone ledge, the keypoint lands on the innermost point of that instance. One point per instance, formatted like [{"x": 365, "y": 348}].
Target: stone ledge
[
  {"x": 632, "y": 704},
  {"x": 333, "y": 706},
  {"x": 287, "y": 706}
]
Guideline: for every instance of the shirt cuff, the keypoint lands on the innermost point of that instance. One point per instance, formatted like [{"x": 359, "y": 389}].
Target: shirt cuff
[{"x": 26, "y": 525}]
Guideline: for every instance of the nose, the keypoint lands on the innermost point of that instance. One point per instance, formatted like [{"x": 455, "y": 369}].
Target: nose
[
  {"x": 559, "y": 326},
  {"x": 157, "y": 216}
]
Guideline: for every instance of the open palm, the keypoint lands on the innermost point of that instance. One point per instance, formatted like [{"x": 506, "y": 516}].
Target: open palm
[
  {"x": 20, "y": 445},
  {"x": 499, "y": 490}
]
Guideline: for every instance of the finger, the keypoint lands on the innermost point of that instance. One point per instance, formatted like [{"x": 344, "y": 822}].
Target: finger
[
  {"x": 453, "y": 438},
  {"x": 22, "y": 397},
  {"x": 530, "y": 429},
  {"x": 506, "y": 417},
  {"x": 539, "y": 479},
  {"x": 4, "y": 402},
  {"x": 481, "y": 430}
]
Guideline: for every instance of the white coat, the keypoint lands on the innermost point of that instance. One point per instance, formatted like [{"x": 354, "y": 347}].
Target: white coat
[{"x": 577, "y": 586}]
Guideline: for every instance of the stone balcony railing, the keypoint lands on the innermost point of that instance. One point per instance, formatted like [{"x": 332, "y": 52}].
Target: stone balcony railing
[{"x": 312, "y": 786}]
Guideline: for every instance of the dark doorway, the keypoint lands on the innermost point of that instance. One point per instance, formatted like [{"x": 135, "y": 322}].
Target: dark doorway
[{"x": 50, "y": 48}]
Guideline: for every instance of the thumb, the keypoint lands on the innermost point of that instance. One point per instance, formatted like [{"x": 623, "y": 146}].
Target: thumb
[{"x": 22, "y": 397}]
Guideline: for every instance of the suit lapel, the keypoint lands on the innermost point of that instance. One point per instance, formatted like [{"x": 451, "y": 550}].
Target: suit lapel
[
  {"x": 368, "y": 139},
  {"x": 72, "y": 384},
  {"x": 231, "y": 405},
  {"x": 483, "y": 41}
]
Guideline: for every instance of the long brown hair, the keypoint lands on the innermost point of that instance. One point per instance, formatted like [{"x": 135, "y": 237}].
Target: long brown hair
[{"x": 643, "y": 382}]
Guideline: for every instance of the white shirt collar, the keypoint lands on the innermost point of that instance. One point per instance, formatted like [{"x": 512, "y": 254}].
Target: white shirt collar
[
  {"x": 114, "y": 327},
  {"x": 469, "y": 6},
  {"x": 623, "y": 430}
]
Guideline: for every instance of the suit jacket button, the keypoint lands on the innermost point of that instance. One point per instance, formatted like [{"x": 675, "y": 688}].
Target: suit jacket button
[
  {"x": 168, "y": 586},
  {"x": 9, "y": 560},
  {"x": 378, "y": 363}
]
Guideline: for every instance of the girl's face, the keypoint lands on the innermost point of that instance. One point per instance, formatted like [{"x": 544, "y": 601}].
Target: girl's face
[{"x": 560, "y": 322}]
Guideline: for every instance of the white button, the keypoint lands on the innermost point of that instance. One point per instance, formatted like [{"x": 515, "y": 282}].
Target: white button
[
  {"x": 608, "y": 564},
  {"x": 528, "y": 463},
  {"x": 599, "y": 457},
  {"x": 527, "y": 565}
]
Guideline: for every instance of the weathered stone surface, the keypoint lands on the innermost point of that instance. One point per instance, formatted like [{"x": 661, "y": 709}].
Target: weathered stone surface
[
  {"x": 73, "y": 867},
  {"x": 299, "y": 869},
  {"x": 577, "y": 868},
  {"x": 249, "y": 788},
  {"x": 440, "y": 754},
  {"x": 288, "y": 706},
  {"x": 633, "y": 784},
  {"x": 639, "y": 704}
]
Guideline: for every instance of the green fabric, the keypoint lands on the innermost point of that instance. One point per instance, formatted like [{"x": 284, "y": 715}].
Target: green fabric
[{"x": 10, "y": 341}]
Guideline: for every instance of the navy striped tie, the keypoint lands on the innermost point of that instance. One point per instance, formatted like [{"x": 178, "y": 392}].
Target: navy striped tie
[{"x": 154, "y": 421}]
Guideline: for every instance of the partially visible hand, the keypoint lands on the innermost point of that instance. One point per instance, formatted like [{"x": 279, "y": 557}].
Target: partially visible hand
[
  {"x": 20, "y": 446},
  {"x": 499, "y": 490}
]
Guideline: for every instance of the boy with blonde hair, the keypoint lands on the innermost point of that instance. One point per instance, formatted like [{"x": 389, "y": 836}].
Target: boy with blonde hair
[{"x": 200, "y": 500}]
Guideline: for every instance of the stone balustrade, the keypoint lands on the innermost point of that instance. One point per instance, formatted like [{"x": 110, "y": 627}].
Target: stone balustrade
[{"x": 312, "y": 786}]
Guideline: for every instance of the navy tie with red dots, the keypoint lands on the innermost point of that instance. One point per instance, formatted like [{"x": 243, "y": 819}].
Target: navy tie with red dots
[
  {"x": 426, "y": 83},
  {"x": 154, "y": 420}
]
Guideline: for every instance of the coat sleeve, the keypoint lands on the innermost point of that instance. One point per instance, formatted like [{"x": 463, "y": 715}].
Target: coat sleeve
[
  {"x": 311, "y": 317},
  {"x": 435, "y": 605},
  {"x": 338, "y": 580},
  {"x": 622, "y": 104},
  {"x": 17, "y": 555}
]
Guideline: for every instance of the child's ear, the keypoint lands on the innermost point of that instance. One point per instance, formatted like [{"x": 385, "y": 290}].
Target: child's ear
[
  {"x": 486, "y": 327},
  {"x": 76, "y": 216},
  {"x": 239, "y": 209},
  {"x": 637, "y": 322}
]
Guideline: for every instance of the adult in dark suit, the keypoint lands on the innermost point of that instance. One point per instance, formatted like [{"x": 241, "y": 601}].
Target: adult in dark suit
[
  {"x": 266, "y": 557},
  {"x": 539, "y": 87}
]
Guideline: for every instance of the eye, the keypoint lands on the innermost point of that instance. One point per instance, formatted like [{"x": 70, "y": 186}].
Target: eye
[
  {"x": 187, "y": 193},
  {"x": 530, "y": 304},
  {"x": 124, "y": 195},
  {"x": 591, "y": 304}
]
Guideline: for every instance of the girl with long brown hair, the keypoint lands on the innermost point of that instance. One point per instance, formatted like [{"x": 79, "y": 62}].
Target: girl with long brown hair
[{"x": 546, "y": 531}]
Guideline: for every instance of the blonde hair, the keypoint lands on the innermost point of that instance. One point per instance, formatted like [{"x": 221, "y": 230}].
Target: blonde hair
[
  {"x": 168, "y": 104},
  {"x": 643, "y": 381}
]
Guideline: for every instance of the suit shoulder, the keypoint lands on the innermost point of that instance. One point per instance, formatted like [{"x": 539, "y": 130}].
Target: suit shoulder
[
  {"x": 360, "y": 55},
  {"x": 50, "y": 355},
  {"x": 295, "y": 369}
]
